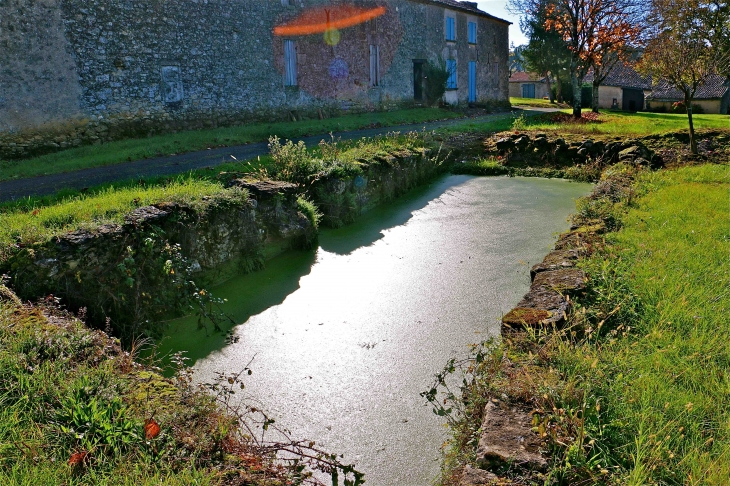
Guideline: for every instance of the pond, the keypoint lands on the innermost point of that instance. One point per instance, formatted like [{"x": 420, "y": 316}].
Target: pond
[{"x": 343, "y": 340}]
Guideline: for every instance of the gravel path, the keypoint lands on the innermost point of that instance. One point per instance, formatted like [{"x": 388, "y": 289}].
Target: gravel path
[{"x": 176, "y": 164}]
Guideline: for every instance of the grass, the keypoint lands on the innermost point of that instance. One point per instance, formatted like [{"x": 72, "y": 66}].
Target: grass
[
  {"x": 190, "y": 141},
  {"x": 75, "y": 409},
  {"x": 663, "y": 376},
  {"x": 623, "y": 124},
  {"x": 634, "y": 390},
  {"x": 31, "y": 221},
  {"x": 537, "y": 103}
]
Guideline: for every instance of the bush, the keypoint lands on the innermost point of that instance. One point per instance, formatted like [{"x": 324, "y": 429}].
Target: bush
[
  {"x": 292, "y": 163},
  {"x": 436, "y": 77}
]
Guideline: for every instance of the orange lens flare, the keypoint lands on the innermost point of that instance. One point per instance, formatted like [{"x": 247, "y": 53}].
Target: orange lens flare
[{"x": 320, "y": 20}]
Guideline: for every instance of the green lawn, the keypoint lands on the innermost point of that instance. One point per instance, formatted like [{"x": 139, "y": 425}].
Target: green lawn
[
  {"x": 660, "y": 372},
  {"x": 536, "y": 102},
  {"x": 139, "y": 149},
  {"x": 618, "y": 124}
]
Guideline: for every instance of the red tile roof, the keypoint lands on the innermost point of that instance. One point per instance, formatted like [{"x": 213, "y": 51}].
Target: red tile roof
[{"x": 523, "y": 77}]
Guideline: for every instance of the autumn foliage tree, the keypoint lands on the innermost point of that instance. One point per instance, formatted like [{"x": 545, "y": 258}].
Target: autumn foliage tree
[{"x": 593, "y": 31}]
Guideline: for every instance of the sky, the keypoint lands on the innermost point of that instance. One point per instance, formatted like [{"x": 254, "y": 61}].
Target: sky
[{"x": 498, "y": 8}]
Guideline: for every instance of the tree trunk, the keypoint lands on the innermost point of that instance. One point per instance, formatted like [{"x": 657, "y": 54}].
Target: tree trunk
[
  {"x": 559, "y": 89},
  {"x": 594, "y": 101},
  {"x": 550, "y": 88},
  {"x": 576, "y": 84},
  {"x": 692, "y": 140}
]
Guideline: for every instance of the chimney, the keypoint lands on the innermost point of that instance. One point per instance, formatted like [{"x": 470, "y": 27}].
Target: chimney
[{"x": 470, "y": 4}]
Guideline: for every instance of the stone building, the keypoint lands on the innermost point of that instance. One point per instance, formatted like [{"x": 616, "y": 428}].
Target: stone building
[
  {"x": 623, "y": 89},
  {"x": 528, "y": 85},
  {"x": 217, "y": 62},
  {"x": 712, "y": 96}
]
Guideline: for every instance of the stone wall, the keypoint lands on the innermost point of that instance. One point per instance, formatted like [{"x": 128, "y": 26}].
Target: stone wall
[
  {"x": 342, "y": 200},
  {"x": 38, "y": 79},
  {"x": 138, "y": 272},
  {"x": 177, "y": 64}
]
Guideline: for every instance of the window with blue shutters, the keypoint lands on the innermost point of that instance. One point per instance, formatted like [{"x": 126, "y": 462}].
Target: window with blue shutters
[
  {"x": 472, "y": 81},
  {"x": 472, "y": 32},
  {"x": 450, "y": 28},
  {"x": 451, "y": 68},
  {"x": 290, "y": 63}
]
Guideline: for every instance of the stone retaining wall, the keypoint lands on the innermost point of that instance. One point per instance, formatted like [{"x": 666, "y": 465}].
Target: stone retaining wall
[
  {"x": 341, "y": 200},
  {"x": 139, "y": 272},
  {"x": 508, "y": 438}
]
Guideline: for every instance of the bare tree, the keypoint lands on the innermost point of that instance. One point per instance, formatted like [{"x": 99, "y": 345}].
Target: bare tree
[{"x": 681, "y": 52}]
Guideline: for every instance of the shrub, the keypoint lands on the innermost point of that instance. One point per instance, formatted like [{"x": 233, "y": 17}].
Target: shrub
[{"x": 436, "y": 77}]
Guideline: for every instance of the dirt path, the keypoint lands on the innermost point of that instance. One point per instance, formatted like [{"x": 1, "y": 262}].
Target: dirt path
[{"x": 176, "y": 164}]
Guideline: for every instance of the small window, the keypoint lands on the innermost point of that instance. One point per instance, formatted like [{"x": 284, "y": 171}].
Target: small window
[
  {"x": 290, "y": 63},
  {"x": 450, "y": 28},
  {"x": 374, "y": 65},
  {"x": 472, "y": 32},
  {"x": 451, "y": 68}
]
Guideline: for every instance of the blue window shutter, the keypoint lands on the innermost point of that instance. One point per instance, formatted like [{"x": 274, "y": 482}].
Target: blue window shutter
[
  {"x": 290, "y": 63},
  {"x": 450, "y": 28},
  {"x": 451, "y": 67},
  {"x": 472, "y": 81},
  {"x": 472, "y": 32}
]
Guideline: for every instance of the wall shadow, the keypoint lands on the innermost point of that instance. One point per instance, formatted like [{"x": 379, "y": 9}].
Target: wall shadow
[
  {"x": 370, "y": 227},
  {"x": 246, "y": 295}
]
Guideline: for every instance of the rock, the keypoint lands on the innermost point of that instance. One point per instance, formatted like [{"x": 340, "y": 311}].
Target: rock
[
  {"x": 522, "y": 141},
  {"x": 563, "y": 280},
  {"x": 145, "y": 214},
  {"x": 522, "y": 318},
  {"x": 505, "y": 144},
  {"x": 556, "y": 260},
  {"x": 477, "y": 477},
  {"x": 507, "y": 439},
  {"x": 265, "y": 190},
  {"x": 7, "y": 296}
]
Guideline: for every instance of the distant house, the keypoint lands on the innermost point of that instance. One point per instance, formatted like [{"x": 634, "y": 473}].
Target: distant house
[
  {"x": 712, "y": 97},
  {"x": 528, "y": 85},
  {"x": 623, "y": 89}
]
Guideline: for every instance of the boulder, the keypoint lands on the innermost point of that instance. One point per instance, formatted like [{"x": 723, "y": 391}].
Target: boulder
[
  {"x": 505, "y": 144},
  {"x": 507, "y": 439}
]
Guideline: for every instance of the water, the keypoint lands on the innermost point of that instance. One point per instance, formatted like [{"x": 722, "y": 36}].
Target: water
[{"x": 344, "y": 339}]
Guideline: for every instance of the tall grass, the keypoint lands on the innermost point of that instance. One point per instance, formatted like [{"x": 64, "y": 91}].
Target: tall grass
[{"x": 661, "y": 372}]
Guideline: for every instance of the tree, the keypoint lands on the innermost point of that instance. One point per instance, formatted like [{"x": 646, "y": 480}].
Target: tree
[
  {"x": 681, "y": 52},
  {"x": 546, "y": 52},
  {"x": 587, "y": 28}
]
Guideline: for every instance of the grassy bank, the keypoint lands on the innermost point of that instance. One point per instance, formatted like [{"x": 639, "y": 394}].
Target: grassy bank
[
  {"x": 634, "y": 389},
  {"x": 139, "y": 149},
  {"x": 35, "y": 220},
  {"x": 77, "y": 410}
]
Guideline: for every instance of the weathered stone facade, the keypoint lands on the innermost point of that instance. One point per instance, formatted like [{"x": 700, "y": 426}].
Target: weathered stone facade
[{"x": 217, "y": 61}]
